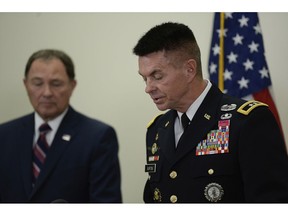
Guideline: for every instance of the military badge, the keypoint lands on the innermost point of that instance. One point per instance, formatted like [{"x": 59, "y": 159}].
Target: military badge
[
  {"x": 213, "y": 192},
  {"x": 154, "y": 148},
  {"x": 228, "y": 107},
  {"x": 226, "y": 116},
  {"x": 167, "y": 123},
  {"x": 207, "y": 116},
  {"x": 157, "y": 195},
  {"x": 157, "y": 136}
]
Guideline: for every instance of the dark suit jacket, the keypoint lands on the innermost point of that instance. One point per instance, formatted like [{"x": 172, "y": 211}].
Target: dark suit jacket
[
  {"x": 253, "y": 167},
  {"x": 82, "y": 169}
]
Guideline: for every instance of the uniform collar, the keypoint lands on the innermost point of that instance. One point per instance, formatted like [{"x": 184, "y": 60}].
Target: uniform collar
[{"x": 196, "y": 104}]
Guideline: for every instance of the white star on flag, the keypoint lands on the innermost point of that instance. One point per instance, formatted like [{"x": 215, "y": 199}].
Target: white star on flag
[{"x": 245, "y": 71}]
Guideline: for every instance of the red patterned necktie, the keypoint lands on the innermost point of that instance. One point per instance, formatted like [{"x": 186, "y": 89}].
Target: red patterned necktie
[{"x": 40, "y": 151}]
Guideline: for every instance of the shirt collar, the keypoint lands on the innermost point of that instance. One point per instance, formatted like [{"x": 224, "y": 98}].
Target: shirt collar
[
  {"x": 195, "y": 105},
  {"x": 54, "y": 123}
]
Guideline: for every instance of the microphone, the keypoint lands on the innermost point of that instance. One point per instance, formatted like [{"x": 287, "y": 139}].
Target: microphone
[{"x": 59, "y": 201}]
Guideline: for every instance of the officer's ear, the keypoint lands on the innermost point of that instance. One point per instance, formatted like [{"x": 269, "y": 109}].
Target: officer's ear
[{"x": 191, "y": 66}]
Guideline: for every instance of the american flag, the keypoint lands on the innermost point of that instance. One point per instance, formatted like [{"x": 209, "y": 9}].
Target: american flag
[{"x": 237, "y": 60}]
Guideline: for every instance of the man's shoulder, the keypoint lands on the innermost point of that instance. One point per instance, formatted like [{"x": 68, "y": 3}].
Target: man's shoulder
[
  {"x": 154, "y": 120},
  {"x": 161, "y": 117},
  {"x": 247, "y": 107},
  {"x": 241, "y": 106},
  {"x": 88, "y": 121},
  {"x": 18, "y": 120}
]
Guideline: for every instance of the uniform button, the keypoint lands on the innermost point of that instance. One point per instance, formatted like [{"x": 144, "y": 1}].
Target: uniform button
[
  {"x": 173, "y": 174},
  {"x": 210, "y": 171},
  {"x": 173, "y": 198}
]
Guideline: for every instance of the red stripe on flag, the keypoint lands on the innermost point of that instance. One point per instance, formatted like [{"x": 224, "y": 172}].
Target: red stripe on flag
[{"x": 265, "y": 97}]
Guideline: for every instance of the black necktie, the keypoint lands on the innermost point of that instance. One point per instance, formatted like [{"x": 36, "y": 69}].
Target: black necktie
[{"x": 185, "y": 121}]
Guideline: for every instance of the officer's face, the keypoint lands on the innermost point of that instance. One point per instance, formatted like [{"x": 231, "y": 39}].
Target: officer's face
[
  {"x": 48, "y": 87},
  {"x": 166, "y": 83}
]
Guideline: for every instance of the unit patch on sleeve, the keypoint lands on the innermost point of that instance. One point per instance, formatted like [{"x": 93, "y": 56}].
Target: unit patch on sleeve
[{"x": 217, "y": 141}]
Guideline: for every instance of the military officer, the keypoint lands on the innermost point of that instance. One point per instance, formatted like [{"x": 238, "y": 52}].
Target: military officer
[{"x": 208, "y": 146}]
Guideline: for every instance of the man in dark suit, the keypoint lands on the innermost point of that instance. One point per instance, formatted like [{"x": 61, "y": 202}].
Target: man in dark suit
[
  {"x": 208, "y": 147},
  {"x": 76, "y": 161}
]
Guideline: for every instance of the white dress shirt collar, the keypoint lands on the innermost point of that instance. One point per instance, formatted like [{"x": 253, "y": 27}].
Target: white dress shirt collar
[
  {"x": 196, "y": 104},
  {"x": 178, "y": 130},
  {"x": 54, "y": 124}
]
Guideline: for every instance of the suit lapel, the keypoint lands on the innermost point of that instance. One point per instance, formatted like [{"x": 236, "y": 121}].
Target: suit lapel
[
  {"x": 63, "y": 137},
  {"x": 205, "y": 120}
]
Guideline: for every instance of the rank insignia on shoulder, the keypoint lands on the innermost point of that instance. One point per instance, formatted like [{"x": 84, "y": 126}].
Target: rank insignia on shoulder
[
  {"x": 247, "y": 107},
  {"x": 153, "y": 120}
]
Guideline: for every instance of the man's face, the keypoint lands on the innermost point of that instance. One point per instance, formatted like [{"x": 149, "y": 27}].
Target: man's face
[
  {"x": 49, "y": 87},
  {"x": 166, "y": 84}
]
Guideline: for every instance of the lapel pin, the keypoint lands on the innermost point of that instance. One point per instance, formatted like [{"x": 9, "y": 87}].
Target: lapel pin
[
  {"x": 66, "y": 137},
  {"x": 167, "y": 123},
  {"x": 157, "y": 136},
  {"x": 207, "y": 116}
]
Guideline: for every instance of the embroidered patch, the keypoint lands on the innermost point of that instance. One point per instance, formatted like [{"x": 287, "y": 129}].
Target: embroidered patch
[{"x": 217, "y": 141}]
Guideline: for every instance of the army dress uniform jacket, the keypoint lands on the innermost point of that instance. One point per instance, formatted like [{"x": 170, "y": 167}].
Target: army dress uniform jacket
[{"x": 232, "y": 151}]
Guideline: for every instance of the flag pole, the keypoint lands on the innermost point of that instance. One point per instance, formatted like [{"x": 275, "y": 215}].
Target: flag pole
[{"x": 221, "y": 54}]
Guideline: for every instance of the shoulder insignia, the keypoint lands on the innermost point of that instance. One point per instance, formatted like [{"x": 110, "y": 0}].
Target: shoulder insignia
[
  {"x": 247, "y": 107},
  {"x": 153, "y": 120}
]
